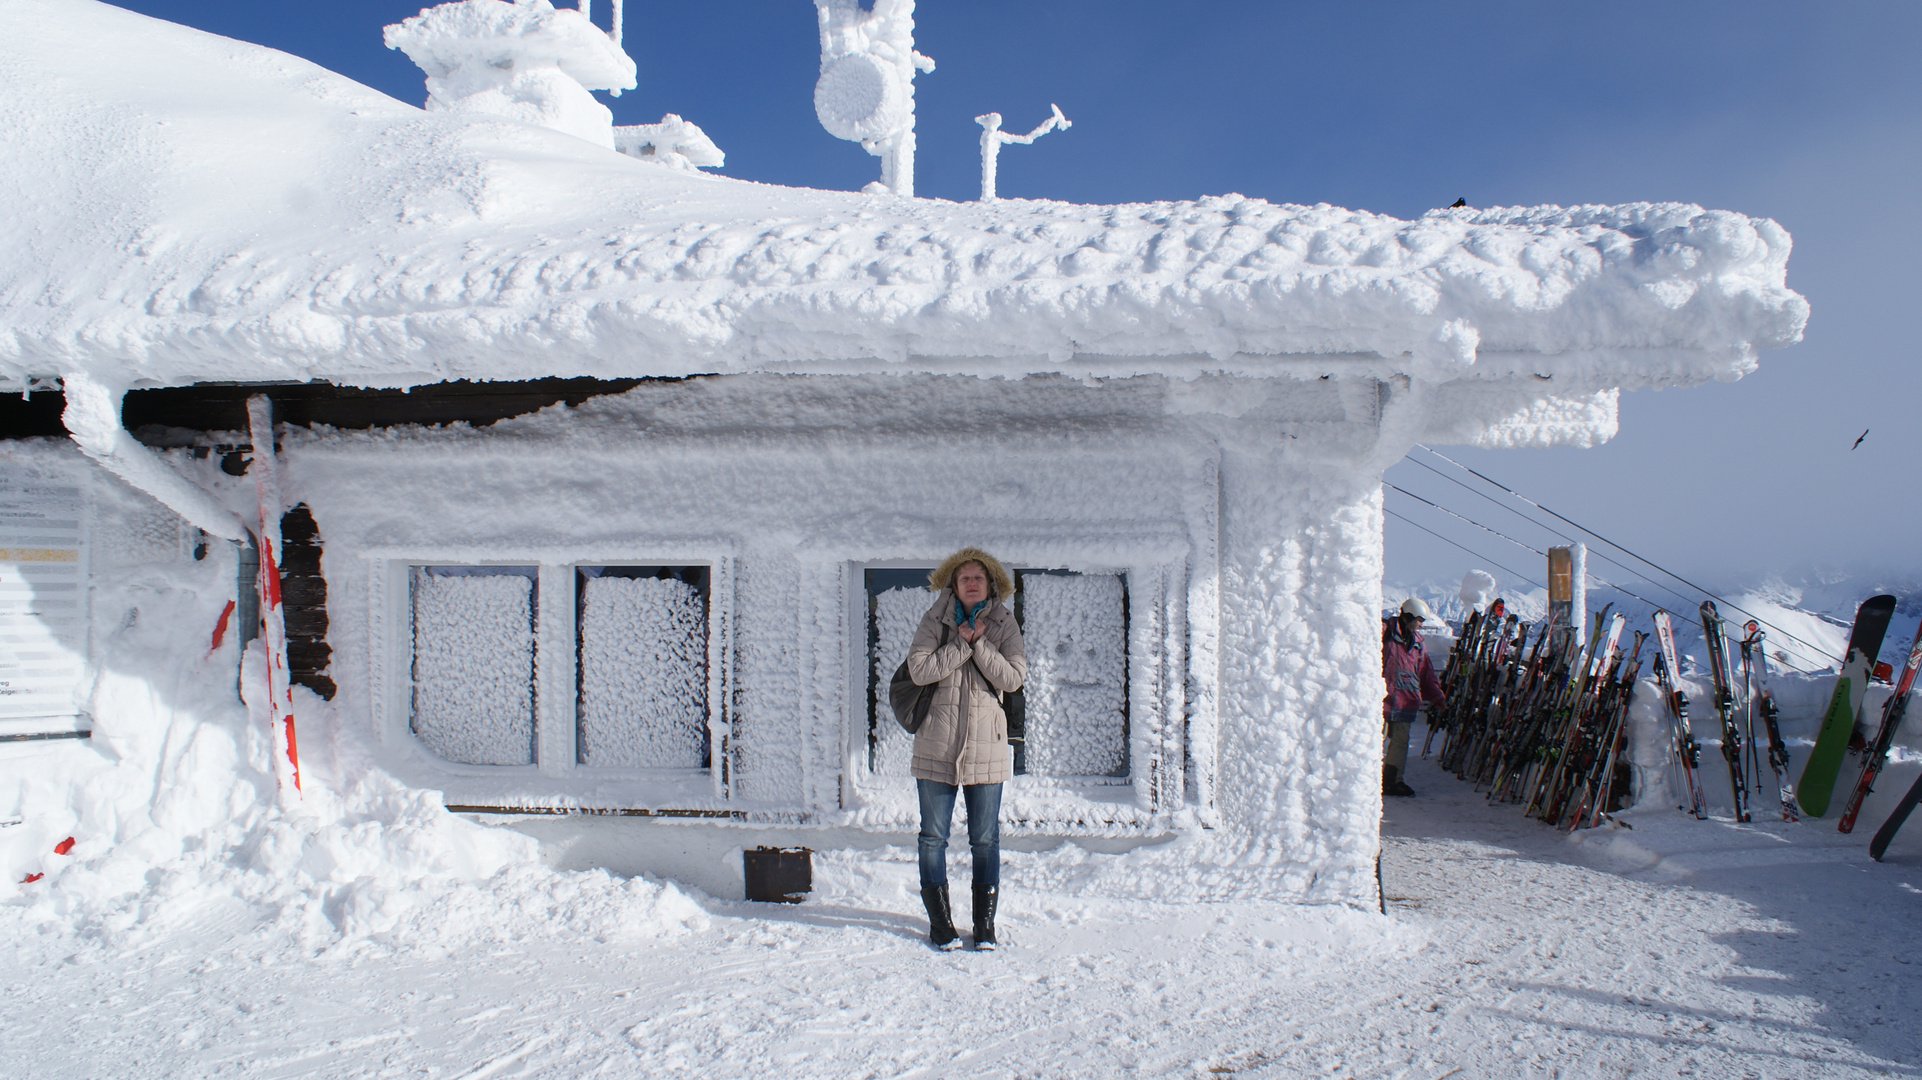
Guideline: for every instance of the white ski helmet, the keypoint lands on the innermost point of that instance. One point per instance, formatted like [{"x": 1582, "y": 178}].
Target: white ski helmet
[{"x": 1414, "y": 606}]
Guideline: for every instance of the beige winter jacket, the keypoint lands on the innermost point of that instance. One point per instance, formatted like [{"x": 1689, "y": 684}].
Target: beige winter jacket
[{"x": 965, "y": 739}]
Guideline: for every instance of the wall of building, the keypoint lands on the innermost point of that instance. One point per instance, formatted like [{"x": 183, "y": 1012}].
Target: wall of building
[{"x": 1242, "y": 513}]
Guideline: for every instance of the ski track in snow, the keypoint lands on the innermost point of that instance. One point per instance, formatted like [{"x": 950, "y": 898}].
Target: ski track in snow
[{"x": 1679, "y": 948}]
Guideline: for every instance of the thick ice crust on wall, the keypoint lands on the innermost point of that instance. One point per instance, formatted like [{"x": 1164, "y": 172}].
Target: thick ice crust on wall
[
  {"x": 363, "y": 241},
  {"x": 1301, "y": 713},
  {"x": 770, "y": 473},
  {"x": 1509, "y": 416}
]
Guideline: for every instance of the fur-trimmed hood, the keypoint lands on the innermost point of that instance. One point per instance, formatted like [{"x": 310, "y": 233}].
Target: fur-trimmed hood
[{"x": 998, "y": 576}]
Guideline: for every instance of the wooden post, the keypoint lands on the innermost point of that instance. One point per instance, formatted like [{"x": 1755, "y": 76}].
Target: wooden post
[{"x": 1567, "y": 589}]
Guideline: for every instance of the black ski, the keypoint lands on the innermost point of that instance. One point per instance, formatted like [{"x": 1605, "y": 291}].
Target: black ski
[
  {"x": 1878, "y": 751},
  {"x": 1889, "y": 828},
  {"x": 1755, "y": 655},
  {"x": 1716, "y": 643}
]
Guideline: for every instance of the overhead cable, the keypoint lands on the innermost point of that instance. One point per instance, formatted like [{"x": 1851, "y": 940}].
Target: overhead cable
[
  {"x": 1602, "y": 555},
  {"x": 1471, "y": 551},
  {"x": 1816, "y": 649},
  {"x": 1605, "y": 583}
]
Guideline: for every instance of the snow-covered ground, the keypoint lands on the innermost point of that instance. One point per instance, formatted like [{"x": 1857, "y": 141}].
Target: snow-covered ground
[{"x": 1671, "y": 948}]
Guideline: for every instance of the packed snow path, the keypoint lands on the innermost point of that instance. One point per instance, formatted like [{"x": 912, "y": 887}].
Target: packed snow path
[{"x": 1675, "y": 948}]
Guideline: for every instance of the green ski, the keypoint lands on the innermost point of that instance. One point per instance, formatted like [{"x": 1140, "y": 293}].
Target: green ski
[{"x": 1845, "y": 704}]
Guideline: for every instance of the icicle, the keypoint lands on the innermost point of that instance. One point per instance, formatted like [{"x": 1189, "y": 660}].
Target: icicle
[{"x": 992, "y": 138}]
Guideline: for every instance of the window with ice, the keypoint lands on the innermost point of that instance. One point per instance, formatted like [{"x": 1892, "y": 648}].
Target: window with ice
[
  {"x": 897, "y": 599},
  {"x": 1075, "y": 627},
  {"x": 643, "y": 634},
  {"x": 473, "y": 662}
]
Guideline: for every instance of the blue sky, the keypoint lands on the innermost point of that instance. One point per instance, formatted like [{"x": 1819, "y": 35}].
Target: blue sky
[{"x": 1807, "y": 113}]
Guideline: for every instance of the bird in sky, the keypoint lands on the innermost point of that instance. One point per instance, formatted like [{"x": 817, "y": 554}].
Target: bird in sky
[{"x": 1859, "y": 438}]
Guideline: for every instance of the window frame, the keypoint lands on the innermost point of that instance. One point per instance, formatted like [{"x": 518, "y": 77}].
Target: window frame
[
  {"x": 556, "y": 776},
  {"x": 1169, "y": 700}
]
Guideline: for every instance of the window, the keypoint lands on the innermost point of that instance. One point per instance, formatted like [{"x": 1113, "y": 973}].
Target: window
[
  {"x": 473, "y": 669},
  {"x": 1075, "y": 629},
  {"x": 643, "y": 640},
  {"x": 896, "y": 601}
]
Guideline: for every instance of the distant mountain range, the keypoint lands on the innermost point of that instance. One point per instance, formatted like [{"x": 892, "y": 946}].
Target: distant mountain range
[{"x": 1805, "y": 620}]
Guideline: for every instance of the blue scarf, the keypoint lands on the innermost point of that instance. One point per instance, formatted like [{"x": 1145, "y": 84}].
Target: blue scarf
[{"x": 963, "y": 615}]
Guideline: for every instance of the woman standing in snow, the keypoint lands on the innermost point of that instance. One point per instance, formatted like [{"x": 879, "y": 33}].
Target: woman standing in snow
[{"x": 969, "y": 649}]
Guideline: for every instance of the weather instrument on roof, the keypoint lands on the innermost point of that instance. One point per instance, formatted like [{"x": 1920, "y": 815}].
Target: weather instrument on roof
[{"x": 866, "y": 90}]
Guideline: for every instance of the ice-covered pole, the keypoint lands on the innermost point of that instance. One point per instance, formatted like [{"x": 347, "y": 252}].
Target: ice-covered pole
[
  {"x": 614, "y": 32},
  {"x": 273, "y": 628},
  {"x": 992, "y": 139},
  {"x": 866, "y": 90},
  {"x": 1578, "y": 592}
]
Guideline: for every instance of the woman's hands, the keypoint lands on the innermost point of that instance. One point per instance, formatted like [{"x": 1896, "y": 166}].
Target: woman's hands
[{"x": 970, "y": 632}]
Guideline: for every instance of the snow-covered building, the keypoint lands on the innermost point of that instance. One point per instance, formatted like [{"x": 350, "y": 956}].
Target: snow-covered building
[{"x": 618, "y": 478}]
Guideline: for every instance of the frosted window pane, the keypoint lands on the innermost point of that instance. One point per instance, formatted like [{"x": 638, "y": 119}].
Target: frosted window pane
[
  {"x": 474, "y": 667},
  {"x": 643, "y": 673},
  {"x": 1074, "y": 627},
  {"x": 897, "y": 612}
]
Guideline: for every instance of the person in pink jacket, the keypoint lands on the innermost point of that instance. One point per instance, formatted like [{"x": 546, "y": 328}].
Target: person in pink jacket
[{"x": 1411, "y": 681}]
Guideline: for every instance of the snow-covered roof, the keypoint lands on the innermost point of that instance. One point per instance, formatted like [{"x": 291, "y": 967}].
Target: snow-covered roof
[{"x": 183, "y": 207}]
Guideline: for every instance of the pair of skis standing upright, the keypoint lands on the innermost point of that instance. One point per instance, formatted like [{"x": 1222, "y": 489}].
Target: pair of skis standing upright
[
  {"x": 1685, "y": 752},
  {"x": 1813, "y": 793}
]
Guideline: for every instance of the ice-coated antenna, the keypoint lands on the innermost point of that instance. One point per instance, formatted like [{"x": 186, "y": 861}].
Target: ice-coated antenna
[
  {"x": 992, "y": 138},
  {"x": 613, "y": 34},
  {"x": 866, "y": 90}
]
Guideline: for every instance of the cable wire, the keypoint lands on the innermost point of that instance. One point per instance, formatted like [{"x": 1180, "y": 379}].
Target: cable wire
[
  {"x": 1471, "y": 551},
  {"x": 1471, "y": 521},
  {"x": 1602, "y": 555},
  {"x": 1816, "y": 649},
  {"x": 1599, "y": 580}
]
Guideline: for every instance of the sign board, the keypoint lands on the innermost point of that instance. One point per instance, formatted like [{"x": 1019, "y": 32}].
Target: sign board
[{"x": 43, "y": 590}]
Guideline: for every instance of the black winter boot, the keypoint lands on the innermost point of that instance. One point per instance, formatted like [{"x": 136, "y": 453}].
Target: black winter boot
[
  {"x": 940, "y": 923},
  {"x": 985, "y": 897},
  {"x": 1392, "y": 784}
]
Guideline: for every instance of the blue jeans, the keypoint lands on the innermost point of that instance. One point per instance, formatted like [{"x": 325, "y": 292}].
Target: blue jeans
[{"x": 984, "y": 830}]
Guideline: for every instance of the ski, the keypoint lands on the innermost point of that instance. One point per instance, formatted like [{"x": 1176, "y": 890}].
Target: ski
[
  {"x": 1753, "y": 653},
  {"x": 1817, "y": 785},
  {"x": 1878, "y": 750},
  {"x": 1880, "y": 845},
  {"x": 1598, "y": 775},
  {"x": 1687, "y": 752},
  {"x": 1544, "y": 797},
  {"x": 1716, "y": 644}
]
